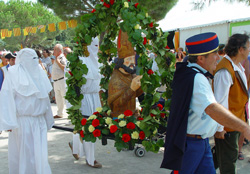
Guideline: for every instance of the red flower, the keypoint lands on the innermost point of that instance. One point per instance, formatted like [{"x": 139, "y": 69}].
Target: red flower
[
  {"x": 144, "y": 41},
  {"x": 97, "y": 133},
  {"x": 126, "y": 138},
  {"x": 112, "y": 2},
  {"x": 128, "y": 113},
  {"x": 152, "y": 115},
  {"x": 139, "y": 118},
  {"x": 77, "y": 42},
  {"x": 81, "y": 134},
  {"x": 141, "y": 109},
  {"x": 93, "y": 11},
  {"x": 113, "y": 129},
  {"x": 150, "y": 72},
  {"x": 102, "y": 0},
  {"x": 106, "y": 5},
  {"x": 116, "y": 120},
  {"x": 151, "y": 25},
  {"x": 129, "y": 0},
  {"x": 163, "y": 115},
  {"x": 160, "y": 106},
  {"x": 131, "y": 125},
  {"x": 142, "y": 135},
  {"x": 95, "y": 123},
  {"x": 136, "y": 5},
  {"x": 167, "y": 47},
  {"x": 84, "y": 121},
  {"x": 70, "y": 73},
  {"x": 95, "y": 113}
]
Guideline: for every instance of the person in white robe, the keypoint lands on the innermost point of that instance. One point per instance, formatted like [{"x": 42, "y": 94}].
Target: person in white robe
[
  {"x": 90, "y": 102},
  {"x": 26, "y": 113}
]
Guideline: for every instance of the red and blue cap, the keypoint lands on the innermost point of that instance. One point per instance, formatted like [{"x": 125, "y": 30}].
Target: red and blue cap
[{"x": 202, "y": 44}]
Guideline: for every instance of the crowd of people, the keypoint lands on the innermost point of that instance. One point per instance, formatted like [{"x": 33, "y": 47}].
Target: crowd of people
[{"x": 210, "y": 98}]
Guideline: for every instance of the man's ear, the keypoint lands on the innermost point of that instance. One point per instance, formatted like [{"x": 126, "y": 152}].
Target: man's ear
[{"x": 200, "y": 59}]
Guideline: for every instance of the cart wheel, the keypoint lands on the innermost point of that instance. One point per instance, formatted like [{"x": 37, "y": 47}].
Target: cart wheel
[{"x": 140, "y": 152}]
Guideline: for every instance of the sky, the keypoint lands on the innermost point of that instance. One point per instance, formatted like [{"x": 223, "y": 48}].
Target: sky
[{"x": 182, "y": 15}]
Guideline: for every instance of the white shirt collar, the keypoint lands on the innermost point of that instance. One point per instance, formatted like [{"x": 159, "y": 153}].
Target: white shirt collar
[{"x": 197, "y": 66}]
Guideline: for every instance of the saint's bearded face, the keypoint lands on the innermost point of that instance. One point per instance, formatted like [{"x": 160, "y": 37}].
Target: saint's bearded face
[{"x": 129, "y": 65}]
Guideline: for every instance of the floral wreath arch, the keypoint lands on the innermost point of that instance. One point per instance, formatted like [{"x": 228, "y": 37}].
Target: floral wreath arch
[{"x": 134, "y": 20}]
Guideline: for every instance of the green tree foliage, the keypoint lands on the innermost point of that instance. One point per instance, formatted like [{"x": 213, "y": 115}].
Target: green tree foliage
[
  {"x": 76, "y": 8},
  {"x": 20, "y": 14}
]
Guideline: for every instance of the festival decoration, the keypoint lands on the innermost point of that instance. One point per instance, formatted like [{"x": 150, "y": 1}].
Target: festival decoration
[{"x": 127, "y": 129}]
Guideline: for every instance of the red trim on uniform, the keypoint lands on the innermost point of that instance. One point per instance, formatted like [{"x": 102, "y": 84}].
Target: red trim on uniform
[
  {"x": 119, "y": 39},
  {"x": 202, "y": 41},
  {"x": 176, "y": 172}
]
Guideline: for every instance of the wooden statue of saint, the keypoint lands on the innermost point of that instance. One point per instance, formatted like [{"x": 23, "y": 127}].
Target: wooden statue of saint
[{"x": 124, "y": 84}]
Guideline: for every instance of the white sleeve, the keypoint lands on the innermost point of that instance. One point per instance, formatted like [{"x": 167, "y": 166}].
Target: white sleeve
[
  {"x": 8, "y": 120},
  {"x": 222, "y": 84},
  {"x": 202, "y": 95}
]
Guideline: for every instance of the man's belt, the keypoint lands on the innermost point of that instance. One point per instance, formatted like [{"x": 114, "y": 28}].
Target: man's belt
[
  {"x": 194, "y": 136},
  {"x": 59, "y": 79}
]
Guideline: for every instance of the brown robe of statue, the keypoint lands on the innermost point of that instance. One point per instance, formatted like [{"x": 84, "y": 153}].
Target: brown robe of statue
[{"x": 120, "y": 96}]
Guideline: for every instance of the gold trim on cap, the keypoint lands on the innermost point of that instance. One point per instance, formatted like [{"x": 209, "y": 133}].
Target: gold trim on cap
[{"x": 200, "y": 54}]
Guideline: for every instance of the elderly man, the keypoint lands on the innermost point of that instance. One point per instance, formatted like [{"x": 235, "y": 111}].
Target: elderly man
[
  {"x": 26, "y": 114},
  {"x": 231, "y": 91},
  {"x": 193, "y": 118},
  {"x": 58, "y": 78},
  {"x": 124, "y": 85}
]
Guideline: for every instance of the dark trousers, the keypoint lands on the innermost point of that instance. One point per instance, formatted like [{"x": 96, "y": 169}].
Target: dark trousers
[
  {"x": 227, "y": 152},
  {"x": 197, "y": 158}
]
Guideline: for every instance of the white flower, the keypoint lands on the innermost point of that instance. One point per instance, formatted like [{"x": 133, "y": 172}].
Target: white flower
[
  {"x": 126, "y": 5},
  {"x": 137, "y": 26},
  {"x": 108, "y": 120},
  {"x": 109, "y": 111},
  {"x": 99, "y": 109},
  {"x": 138, "y": 123},
  {"x": 83, "y": 129},
  {"x": 122, "y": 123},
  {"x": 146, "y": 15},
  {"x": 121, "y": 116},
  {"x": 91, "y": 128},
  {"x": 155, "y": 131},
  {"x": 92, "y": 117},
  {"x": 135, "y": 135}
]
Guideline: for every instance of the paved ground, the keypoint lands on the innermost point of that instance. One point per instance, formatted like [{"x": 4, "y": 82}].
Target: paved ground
[{"x": 125, "y": 162}]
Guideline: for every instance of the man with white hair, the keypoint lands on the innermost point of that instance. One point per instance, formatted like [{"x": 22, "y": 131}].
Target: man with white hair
[
  {"x": 26, "y": 114},
  {"x": 58, "y": 78}
]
